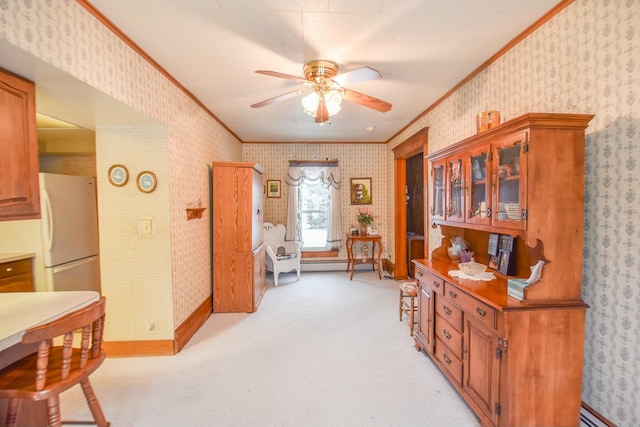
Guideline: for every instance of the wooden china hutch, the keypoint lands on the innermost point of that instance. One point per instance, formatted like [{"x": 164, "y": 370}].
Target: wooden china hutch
[{"x": 515, "y": 361}]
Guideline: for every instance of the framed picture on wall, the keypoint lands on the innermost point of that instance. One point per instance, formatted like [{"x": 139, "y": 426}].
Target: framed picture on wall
[
  {"x": 361, "y": 191},
  {"x": 273, "y": 188},
  {"x": 118, "y": 175}
]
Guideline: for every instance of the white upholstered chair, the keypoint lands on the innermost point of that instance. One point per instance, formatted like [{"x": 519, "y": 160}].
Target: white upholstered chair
[{"x": 273, "y": 238}]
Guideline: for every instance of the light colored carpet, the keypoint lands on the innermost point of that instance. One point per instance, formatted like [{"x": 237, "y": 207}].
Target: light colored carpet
[{"x": 322, "y": 351}]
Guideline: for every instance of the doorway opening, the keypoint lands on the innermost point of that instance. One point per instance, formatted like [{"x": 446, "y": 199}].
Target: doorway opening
[{"x": 406, "y": 155}]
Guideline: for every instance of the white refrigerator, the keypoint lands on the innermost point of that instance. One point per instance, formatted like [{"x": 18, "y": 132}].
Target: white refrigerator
[{"x": 69, "y": 232}]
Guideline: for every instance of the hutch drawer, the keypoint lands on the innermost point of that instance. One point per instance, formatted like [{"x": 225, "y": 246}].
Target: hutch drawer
[
  {"x": 474, "y": 309},
  {"x": 449, "y": 335},
  {"x": 433, "y": 281},
  {"x": 446, "y": 310},
  {"x": 449, "y": 360}
]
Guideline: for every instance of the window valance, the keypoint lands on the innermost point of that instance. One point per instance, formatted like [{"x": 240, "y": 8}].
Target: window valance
[{"x": 325, "y": 171}]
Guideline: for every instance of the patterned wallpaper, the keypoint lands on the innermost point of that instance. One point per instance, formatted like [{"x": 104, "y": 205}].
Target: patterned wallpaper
[
  {"x": 65, "y": 35},
  {"x": 584, "y": 60},
  {"x": 356, "y": 161}
]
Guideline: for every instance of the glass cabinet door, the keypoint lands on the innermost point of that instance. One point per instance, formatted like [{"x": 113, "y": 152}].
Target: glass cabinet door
[
  {"x": 455, "y": 194},
  {"x": 478, "y": 202},
  {"x": 509, "y": 170},
  {"x": 437, "y": 190}
]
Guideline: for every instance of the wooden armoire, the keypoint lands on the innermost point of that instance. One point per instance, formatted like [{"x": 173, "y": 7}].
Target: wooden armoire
[{"x": 238, "y": 252}]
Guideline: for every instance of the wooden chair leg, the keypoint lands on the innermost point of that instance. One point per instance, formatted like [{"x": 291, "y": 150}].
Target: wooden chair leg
[
  {"x": 93, "y": 403},
  {"x": 12, "y": 413},
  {"x": 412, "y": 314},
  {"x": 53, "y": 411}
]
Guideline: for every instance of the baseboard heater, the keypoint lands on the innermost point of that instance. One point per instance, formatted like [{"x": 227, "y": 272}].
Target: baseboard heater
[
  {"x": 590, "y": 418},
  {"x": 324, "y": 266}
]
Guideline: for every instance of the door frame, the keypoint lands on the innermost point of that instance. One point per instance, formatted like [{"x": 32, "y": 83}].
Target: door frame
[{"x": 415, "y": 144}]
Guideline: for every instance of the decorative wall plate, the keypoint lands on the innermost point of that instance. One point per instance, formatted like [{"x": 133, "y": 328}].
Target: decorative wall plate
[
  {"x": 146, "y": 181},
  {"x": 118, "y": 175}
]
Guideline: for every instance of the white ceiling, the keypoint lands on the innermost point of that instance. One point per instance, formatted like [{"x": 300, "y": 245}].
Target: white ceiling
[{"x": 422, "y": 48}]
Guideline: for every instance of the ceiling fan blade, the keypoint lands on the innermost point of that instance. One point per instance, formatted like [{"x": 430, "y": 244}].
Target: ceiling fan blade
[
  {"x": 366, "y": 100},
  {"x": 282, "y": 76},
  {"x": 323, "y": 114},
  {"x": 355, "y": 76},
  {"x": 278, "y": 98}
]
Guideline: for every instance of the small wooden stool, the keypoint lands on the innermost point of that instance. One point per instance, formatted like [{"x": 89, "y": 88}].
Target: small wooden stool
[{"x": 407, "y": 304}]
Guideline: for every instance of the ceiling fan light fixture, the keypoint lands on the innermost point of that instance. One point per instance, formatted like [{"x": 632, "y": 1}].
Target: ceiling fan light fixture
[{"x": 332, "y": 100}]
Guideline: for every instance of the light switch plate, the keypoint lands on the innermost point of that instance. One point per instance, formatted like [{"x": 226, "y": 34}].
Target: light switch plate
[{"x": 145, "y": 225}]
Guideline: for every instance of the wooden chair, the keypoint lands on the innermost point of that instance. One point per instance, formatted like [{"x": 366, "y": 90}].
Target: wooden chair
[
  {"x": 408, "y": 304},
  {"x": 53, "y": 369},
  {"x": 273, "y": 239}
]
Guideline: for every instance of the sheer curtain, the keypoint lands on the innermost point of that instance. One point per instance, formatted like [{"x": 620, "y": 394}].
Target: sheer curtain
[{"x": 327, "y": 173}]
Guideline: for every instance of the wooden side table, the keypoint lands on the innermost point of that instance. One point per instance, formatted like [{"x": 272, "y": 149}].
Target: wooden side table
[{"x": 376, "y": 241}]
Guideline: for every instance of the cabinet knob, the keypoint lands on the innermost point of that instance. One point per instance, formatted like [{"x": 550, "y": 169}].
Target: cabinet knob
[
  {"x": 446, "y": 334},
  {"x": 9, "y": 269},
  {"x": 453, "y": 295},
  {"x": 446, "y": 358},
  {"x": 447, "y": 310},
  {"x": 436, "y": 284},
  {"x": 481, "y": 312}
]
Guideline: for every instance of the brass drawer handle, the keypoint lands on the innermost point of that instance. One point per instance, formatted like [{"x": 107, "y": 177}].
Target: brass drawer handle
[
  {"x": 9, "y": 269},
  {"x": 420, "y": 273},
  {"x": 453, "y": 294},
  {"x": 446, "y": 334},
  {"x": 447, "y": 310},
  {"x": 481, "y": 312},
  {"x": 446, "y": 359},
  {"x": 436, "y": 284}
]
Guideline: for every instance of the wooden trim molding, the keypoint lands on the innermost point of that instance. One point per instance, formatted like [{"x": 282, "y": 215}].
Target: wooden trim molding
[
  {"x": 319, "y": 254},
  {"x": 315, "y": 142},
  {"x": 189, "y": 327},
  {"x": 412, "y": 145},
  {"x": 333, "y": 162},
  {"x": 163, "y": 347},
  {"x": 119, "y": 33},
  {"x": 596, "y": 415},
  {"x": 139, "y": 348},
  {"x": 553, "y": 12}
]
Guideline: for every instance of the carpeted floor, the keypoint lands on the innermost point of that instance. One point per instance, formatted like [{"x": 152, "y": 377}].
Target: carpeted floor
[{"x": 322, "y": 351}]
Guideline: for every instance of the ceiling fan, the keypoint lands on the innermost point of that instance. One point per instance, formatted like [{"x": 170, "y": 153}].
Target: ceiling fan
[{"x": 324, "y": 89}]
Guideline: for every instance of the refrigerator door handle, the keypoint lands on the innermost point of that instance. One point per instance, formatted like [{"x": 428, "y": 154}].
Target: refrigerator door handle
[
  {"x": 75, "y": 264},
  {"x": 47, "y": 219}
]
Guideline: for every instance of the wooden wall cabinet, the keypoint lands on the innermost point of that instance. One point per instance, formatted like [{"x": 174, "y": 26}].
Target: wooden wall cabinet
[
  {"x": 19, "y": 192},
  {"x": 515, "y": 362},
  {"x": 238, "y": 253},
  {"x": 484, "y": 184},
  {"x": 16, "y": 276}
]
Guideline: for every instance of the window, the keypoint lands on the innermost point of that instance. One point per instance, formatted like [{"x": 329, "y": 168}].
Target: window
[
  {"x": 314, "y": 203},
  {"x": 313, "y": 213}
]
